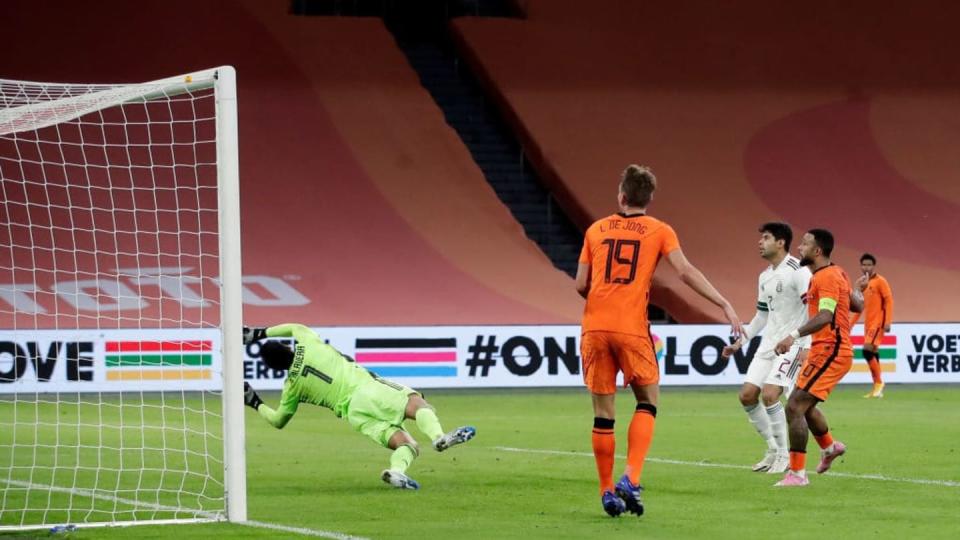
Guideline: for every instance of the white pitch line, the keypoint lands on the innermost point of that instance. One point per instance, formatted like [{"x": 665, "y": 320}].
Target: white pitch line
[
  {"x": 112, "y": 498},
  {"x": 303, "y": 531},
  {"x": 198, "y": 513},
  {"x": 880, "y": 477}
]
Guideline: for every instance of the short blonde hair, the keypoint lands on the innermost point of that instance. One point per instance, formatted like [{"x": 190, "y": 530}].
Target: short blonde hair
[{"x": 638, "y": 184}]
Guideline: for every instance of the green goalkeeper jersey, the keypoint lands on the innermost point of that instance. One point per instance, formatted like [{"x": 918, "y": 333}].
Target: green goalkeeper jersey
[{"x": 320, "y": 375}]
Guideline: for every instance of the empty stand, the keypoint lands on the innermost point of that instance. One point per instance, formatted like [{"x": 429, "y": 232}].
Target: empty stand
[
  {"x": 354, "y": 191},
  {"x": 477, "y": 120},
  {"x": 726, "y": 102}
]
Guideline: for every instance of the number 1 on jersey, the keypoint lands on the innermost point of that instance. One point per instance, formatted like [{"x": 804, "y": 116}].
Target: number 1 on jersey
[
  {"x": 310, "y": 370},
  {"x": 614, "y": 253}
]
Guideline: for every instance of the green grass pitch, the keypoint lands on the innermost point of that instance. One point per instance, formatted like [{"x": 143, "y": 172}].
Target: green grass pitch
[{"x": 318, "y": 474}]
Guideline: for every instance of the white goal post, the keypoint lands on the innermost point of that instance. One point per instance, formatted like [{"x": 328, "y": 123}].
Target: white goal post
[{"x": 121, "y": 397}]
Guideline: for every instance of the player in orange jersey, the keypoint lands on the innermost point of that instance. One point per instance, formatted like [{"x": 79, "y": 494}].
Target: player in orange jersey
[
  {"x": 829, "y": 302},
  {"x": 620, "y": 254},
  {"x": 878, "y": 312}
]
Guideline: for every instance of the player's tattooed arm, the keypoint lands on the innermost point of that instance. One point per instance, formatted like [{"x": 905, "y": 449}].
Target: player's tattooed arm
[{"x": 821, "y": 319}]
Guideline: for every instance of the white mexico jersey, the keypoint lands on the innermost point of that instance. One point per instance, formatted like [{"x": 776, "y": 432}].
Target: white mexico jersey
[{"x": 782, "y": 293}]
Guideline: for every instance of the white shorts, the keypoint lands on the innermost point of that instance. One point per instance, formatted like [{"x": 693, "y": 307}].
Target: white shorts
[{"x": 779, "y": 370}]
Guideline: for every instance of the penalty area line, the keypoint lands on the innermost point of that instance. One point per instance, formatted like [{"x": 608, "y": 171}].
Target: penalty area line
[{"x": 878, "y": 477}]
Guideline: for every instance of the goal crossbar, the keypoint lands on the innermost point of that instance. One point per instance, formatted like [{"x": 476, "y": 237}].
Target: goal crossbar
[{"x": 45, "y": 113}]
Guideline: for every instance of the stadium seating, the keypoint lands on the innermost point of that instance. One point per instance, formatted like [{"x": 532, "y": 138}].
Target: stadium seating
[
  {"x": 354, "y": 190},
  {"x": 837, "y": 115},
  {"x": 739, "y": 132}
]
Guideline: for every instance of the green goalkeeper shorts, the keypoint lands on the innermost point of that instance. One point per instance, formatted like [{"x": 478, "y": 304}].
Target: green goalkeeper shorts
[{"x": 377, "y": 409}]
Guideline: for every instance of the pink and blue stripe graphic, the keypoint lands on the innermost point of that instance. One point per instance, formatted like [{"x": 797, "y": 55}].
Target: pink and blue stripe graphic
[{"x": 408, "y": 357}]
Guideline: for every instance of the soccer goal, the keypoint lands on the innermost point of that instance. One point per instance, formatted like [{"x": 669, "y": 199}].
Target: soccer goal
[{"x": 120, "y": 303}]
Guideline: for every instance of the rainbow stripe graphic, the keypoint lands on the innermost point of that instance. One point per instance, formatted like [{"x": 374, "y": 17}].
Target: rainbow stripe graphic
[
  {"x": 657, "y": 346},
  {"x": 887, "y": 354},
  {"x": 408, "y": 357},
  {"x": 159, "y": 360}
]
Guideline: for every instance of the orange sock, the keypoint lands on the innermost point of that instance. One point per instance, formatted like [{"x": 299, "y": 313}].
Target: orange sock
[
  {"x": 798, "y": 461},
  {"x": 875, "y": 370},
  {"x": 604, "y": 446},
  {"x": 638, "y": 440},
  {"x": 824, "y": 440}
]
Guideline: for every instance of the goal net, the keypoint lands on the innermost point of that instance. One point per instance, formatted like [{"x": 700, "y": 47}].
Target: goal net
[{"x": 120, "y": 303}]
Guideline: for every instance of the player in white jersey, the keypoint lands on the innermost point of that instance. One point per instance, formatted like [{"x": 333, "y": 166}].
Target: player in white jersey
[{"x": 781, "y": 307}]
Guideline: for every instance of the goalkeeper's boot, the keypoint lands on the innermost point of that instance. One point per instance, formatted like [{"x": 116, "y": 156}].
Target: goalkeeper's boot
[
  {"x": 612, "y": 504},
  {"x": 793, "y": 479},
  {"x": 830, "y": 453},
  {"x": 458, "y": 436},
  {"x": 630, "y": 495},
  {"x": 765, "y": 463},
  {"x": 399, "y": 480}
]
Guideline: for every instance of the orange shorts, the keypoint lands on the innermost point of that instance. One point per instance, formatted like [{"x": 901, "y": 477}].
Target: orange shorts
[
  {"x": 605, "y": 354},
  {"x": 823, "y": 369},
  {"x": 873, "y": 335}
]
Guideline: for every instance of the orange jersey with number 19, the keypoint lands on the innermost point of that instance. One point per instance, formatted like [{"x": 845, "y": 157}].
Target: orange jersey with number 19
[{"x": 623, "y": 252}]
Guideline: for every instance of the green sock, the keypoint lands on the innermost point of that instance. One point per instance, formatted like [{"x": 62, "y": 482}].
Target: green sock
[
  {"x": 428, "y": 423},
  {"x": 401, "y": 458}
]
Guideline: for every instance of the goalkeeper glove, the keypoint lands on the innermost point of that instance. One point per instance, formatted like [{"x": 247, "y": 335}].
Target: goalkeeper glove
[
  {"x": 250, "y": 397},
  {"x": 253, "y": 334}
]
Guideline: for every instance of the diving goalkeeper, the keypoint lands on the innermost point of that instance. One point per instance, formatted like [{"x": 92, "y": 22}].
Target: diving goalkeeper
[{"x": 376, "y": 407}]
